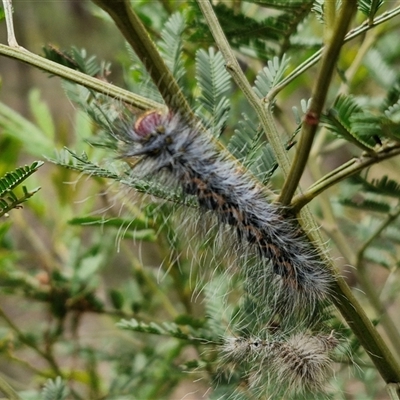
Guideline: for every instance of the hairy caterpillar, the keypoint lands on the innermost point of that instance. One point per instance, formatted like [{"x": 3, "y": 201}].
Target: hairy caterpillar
[
  {"x": 300, "y": 363},
  {"x": 183, "y": 156}
]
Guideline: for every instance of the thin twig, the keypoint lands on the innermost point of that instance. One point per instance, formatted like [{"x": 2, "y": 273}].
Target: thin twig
[
  {"x": 135, "y": 33},
  {"x": 344, "y": 171},
  {"x": 319, "y": 93},
  {"x": 80, "y": 78},
  {"x": 240, "y": 79},
  {"x": 364, "y": 27},
  {"x": 7, "y": 390},
  {"x": 8, "y": 10},
  {"x": 21, "y": 336}
]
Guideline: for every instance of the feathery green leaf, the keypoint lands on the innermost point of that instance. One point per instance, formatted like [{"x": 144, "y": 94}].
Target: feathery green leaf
[
  {"x": 248, "y": 145},
  {"x": 339, "y": 120},
  {"x": 370, "y": 7},
  {"x": 14, "y": 178},
  {"x": 214, "y": 83},
  {"x": 270, "y": 75},
  {"x": 367, "y": 204},
  {"x": 171, "y": 45},
  {"x": 55, "y": 390},
  {"x": 384, "y": 186}
]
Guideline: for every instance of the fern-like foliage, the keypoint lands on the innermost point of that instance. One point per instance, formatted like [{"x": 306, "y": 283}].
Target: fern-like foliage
[
  {"x": 170, "y": 329},
  {"x": 10, "y": 181},
  {"x": 171, "y": 45},
  {"x": 370, "y": 7},
  {"x": 248, "y": 145},
  {"x": 263, "y": 39},
  {"x": 55, "y": 390},
  {"x": 270, "y": 75},
  {"x": 380, "y": 69},
  {"x": 340, "y": 120},
  {"x": 383, "y": 186},
  {"x": 79, "y": 60},
  {"x": 368, "y": 205},
  {"x": 214, "y": 83},
  {"x": 377, "y": 196},
  {"x": 171, "y": 49},
  {"x": 81, "y": 163}
]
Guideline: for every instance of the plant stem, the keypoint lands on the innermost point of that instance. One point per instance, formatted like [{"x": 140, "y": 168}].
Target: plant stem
[
  {"x": 364, "y": 27},
  {"x": 319, "y": 93},
  {"x": 48, "y": 357},
  {"x": 366, "y": 333},
  {"x": 393, "y": 390},
  {"x": 135, "y": 33},
  {"x": 12, "y": 41},
  {"x": 7, "y": 390},
  {"x": 80, "y": 78},
  {"x": 344, "y": 171},
  {"x": 329, "y": 19},
  {"x": 240, "y": 79}
]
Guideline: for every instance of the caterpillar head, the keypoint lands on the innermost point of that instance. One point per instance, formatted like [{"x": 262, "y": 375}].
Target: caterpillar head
[
  {"x": 149, "y": 135},
  {"x": 150, "y": 123}
]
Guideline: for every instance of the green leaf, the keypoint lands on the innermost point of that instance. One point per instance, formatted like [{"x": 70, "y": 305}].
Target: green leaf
[
  {"x": 380, "y": 69},
  {"x": 377, "y": 256},
  {"x": 88, "y": 267},
  {"x": 171, "y": 45},
  {"x": 8, "y": 199},
  {"x": 384, "y": 186},
  {"x": 70, "y": 160},
  {"x": 261, "y": 38},
  {"x": 127, "y": 224},
  {"x": 270, "y": 75},
  {"x": 370, "y": 7},
  {"x": 55, "y": 390},
  {"x": 368, "y": 205},
  {"x": 167, "y": 329},
  {"x": 214, "y": 84},
  {"x": 14, "y": 178},
  {"x": 117, "y": 299},
  {"x": 339, "y": 120},
  {"x": 79, "y": 60}
]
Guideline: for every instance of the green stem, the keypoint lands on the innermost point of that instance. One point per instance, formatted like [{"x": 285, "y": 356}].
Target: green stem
[
  {"x": 329, "y": 19},
  {"x": 366, "y": 333},
  {"x": 7, "y": 390},
  {"x": 393, "y": 390},
  {"x": 232, "y": 65},
  {"x": 21, "y": 336},
  {"x": 135, "y": 33},
  {"x": 78, "y": 77},
  {"x": 319, "y": 93},
  {"x": 346, "y": 170},
  {"x": 364, "y": 27}
]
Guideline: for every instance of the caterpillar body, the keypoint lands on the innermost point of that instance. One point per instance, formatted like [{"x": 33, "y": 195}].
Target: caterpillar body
[
  {"x": 184, "y": 156},
  {"x": 300, "y": 363}
]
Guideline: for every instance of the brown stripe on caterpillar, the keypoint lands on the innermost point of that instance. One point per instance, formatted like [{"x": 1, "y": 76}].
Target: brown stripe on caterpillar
[{"x": 190, "y": 159}]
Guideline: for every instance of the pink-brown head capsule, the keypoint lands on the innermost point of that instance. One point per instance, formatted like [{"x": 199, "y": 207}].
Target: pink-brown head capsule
[{"x": 150, "y": 122}]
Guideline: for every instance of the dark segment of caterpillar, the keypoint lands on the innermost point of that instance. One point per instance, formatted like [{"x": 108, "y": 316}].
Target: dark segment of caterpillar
[{"x": 185, "y": 156}]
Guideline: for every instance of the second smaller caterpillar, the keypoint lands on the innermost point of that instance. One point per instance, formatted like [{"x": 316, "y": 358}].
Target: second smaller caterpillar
[{"x": 300, "y": 363}]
